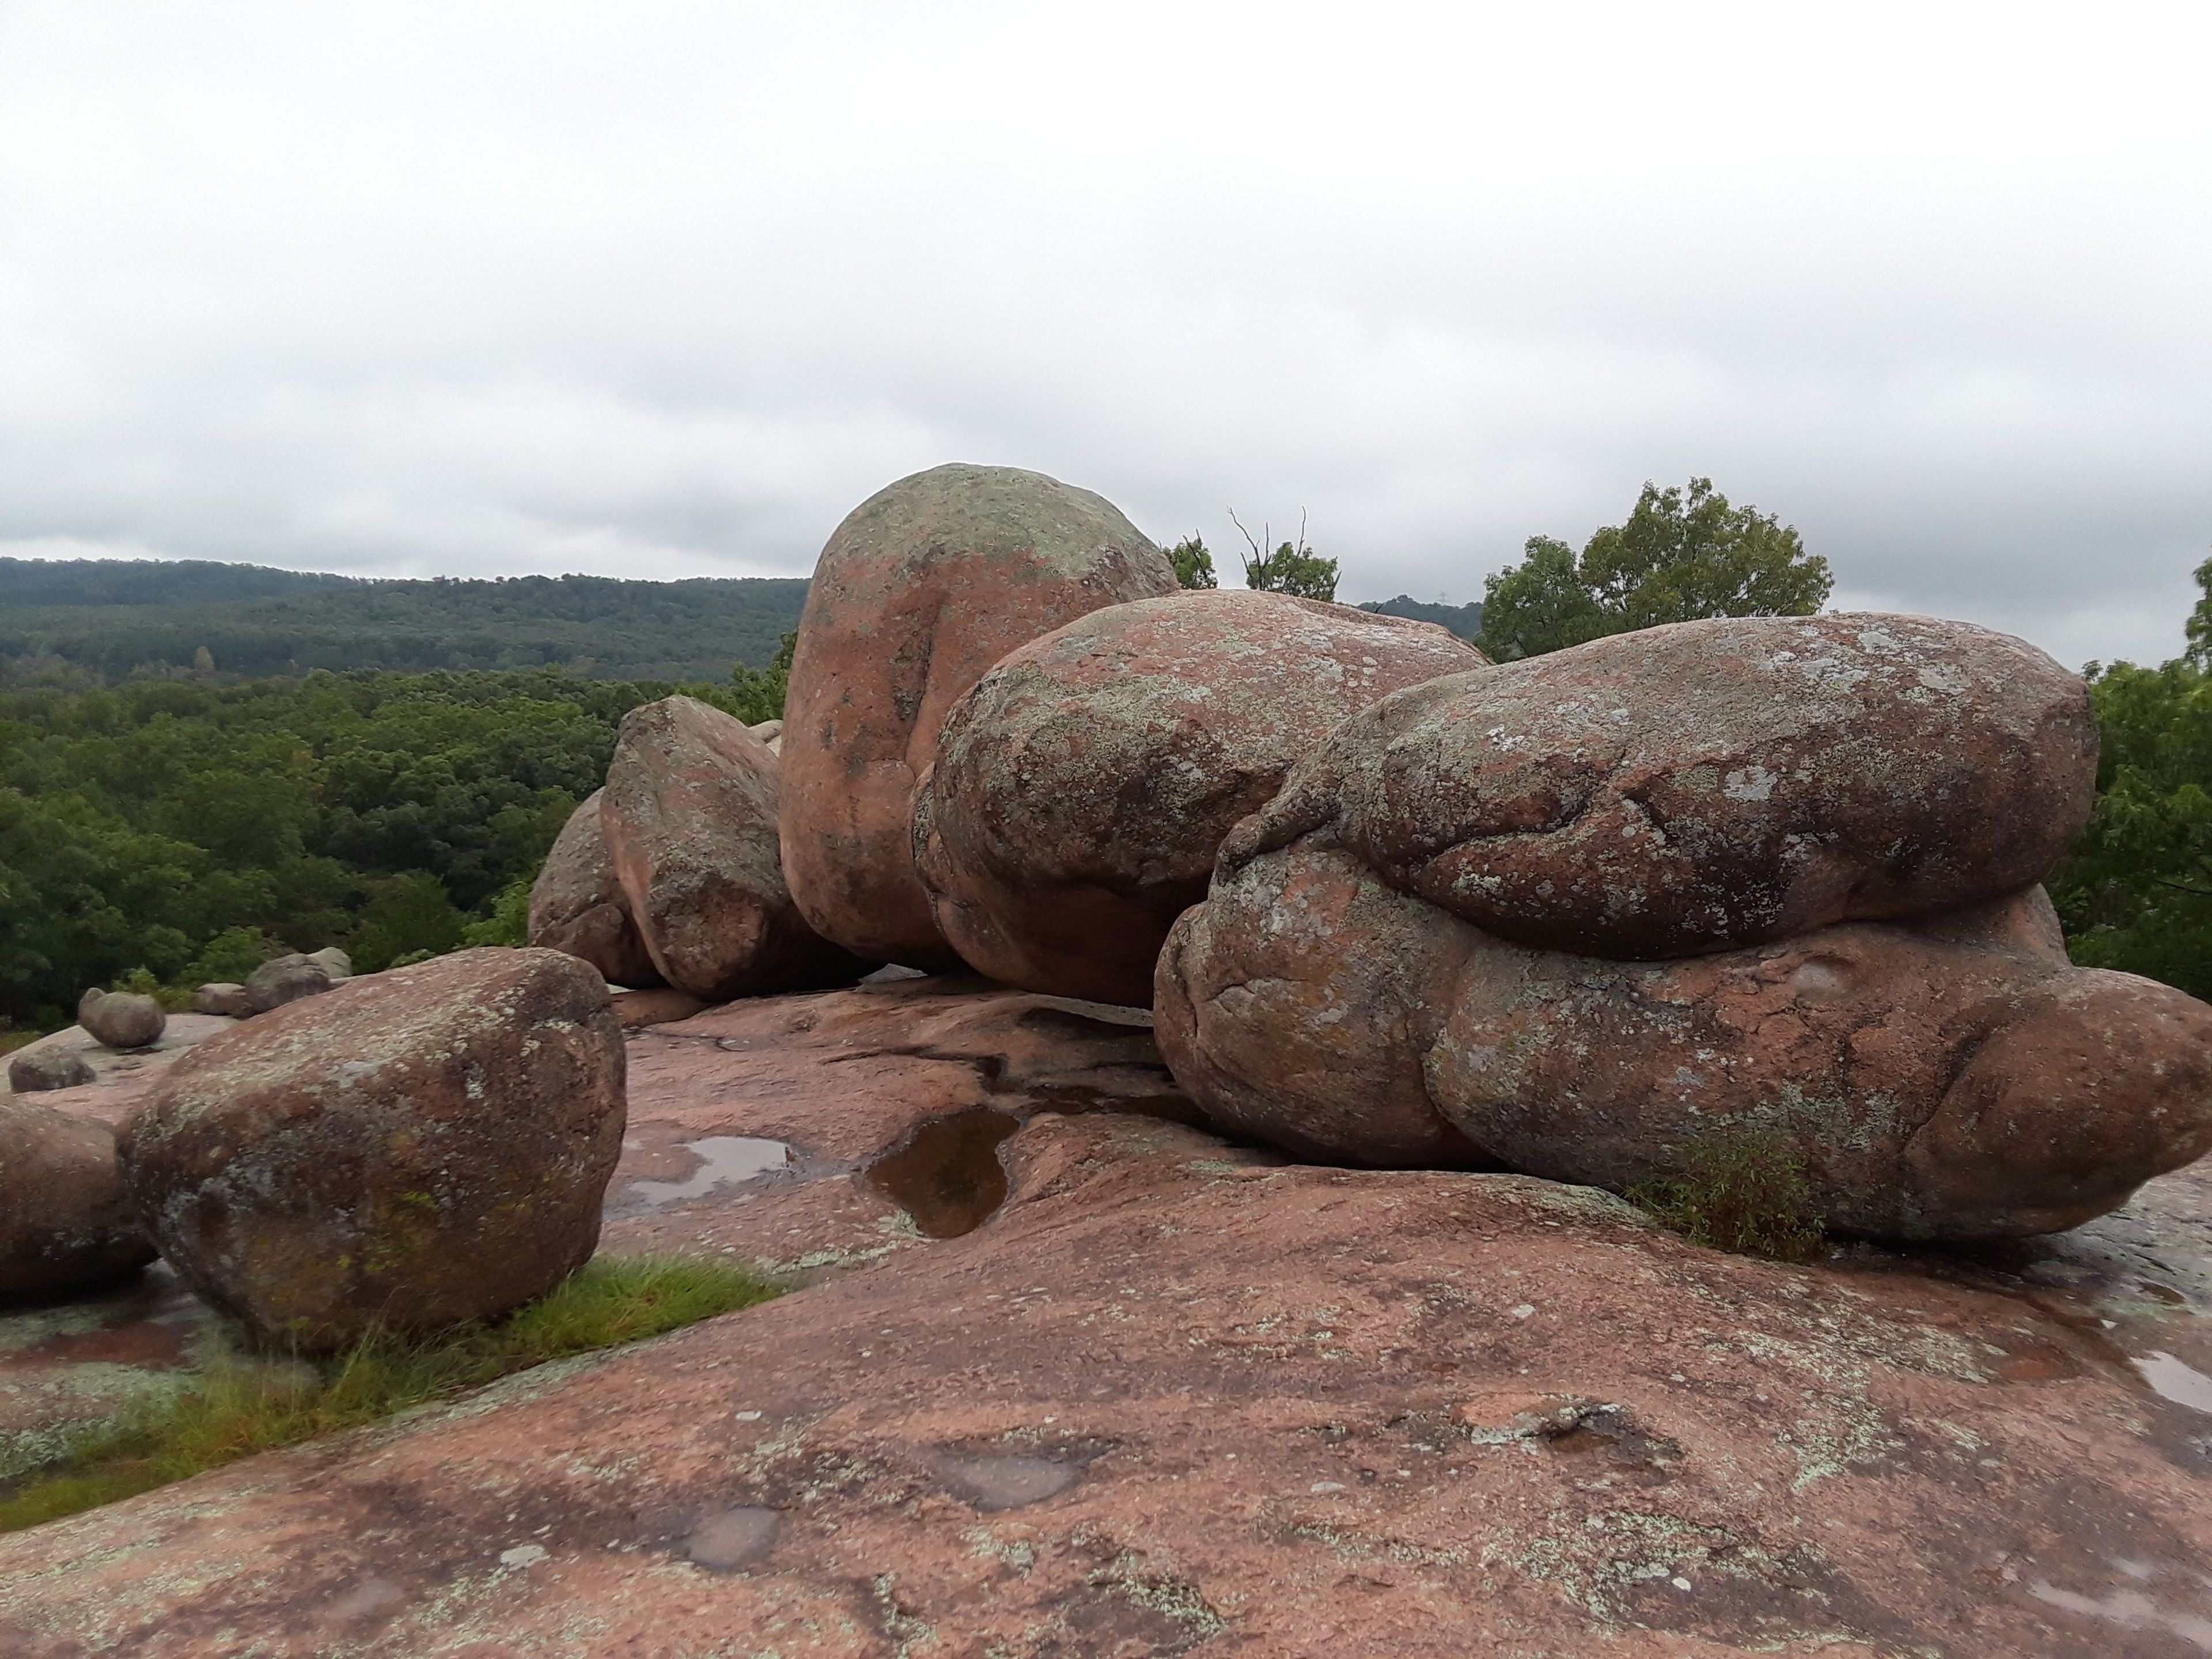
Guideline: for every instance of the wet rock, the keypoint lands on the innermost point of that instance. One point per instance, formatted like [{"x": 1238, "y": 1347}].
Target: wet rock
[
  {"x": 64, "y": 1223},
  {"x": 413, "y": 1149},
  {"x": 1954, "y": 1080},
  {"x": 225, "y": 998},
  {"x": 1177, "y": 1400},
  {"x": 690, "y": 815},
  {"x": 1713, "y": 784},
  {"x": 121, "y": 1020},
  {"x": 577, "y": 903},
  {"x": 730, "y": 1539},
  {"x": 285, "y": 979},
  {"x": 34, "y": 1072},
  {"x": 1081, "y": 790},
  {"x": 922, "y": 588}
]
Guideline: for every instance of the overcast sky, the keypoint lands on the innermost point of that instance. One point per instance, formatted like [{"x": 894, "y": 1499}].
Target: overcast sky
[{"x": 666, "y": 289}]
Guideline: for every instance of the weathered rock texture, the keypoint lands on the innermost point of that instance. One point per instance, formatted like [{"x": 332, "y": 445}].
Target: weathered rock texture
[
  {"x": 924, "y": 586},
  {"x": 415, "y": 1148},
  {"x": 1954, "y": 1081},
  {"x": 32, "y": 1074},
  {"x": 286, "y": 979},
  {"x": 1081, "y": 790},
  {"x": 64, "y": 1223},
  {"x": 223, "y": 997},
  {"x": 689, "y": 817},
  {"x": 577, "y": 904},
  {"x": 1713, "y": 784},
  {"x": 1175, "y": 1398},
  {"x": 121, "y": 1020},
  {"x": 1826, "y": 830}
]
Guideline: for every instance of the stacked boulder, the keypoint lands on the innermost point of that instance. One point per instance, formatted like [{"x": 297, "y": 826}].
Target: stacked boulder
[
  {"x": 1079, "y": 793},
  {"x": 1577, "y": 915}
]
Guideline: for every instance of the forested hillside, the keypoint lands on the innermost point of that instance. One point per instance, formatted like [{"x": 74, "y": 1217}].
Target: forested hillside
[
  {"x": 111, "y": 618},
  {"x": 193, "y": 827},
  {"x": 1464, "y": 620}
]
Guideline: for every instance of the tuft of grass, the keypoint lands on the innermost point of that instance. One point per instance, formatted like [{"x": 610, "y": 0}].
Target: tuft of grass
[
  {"x": 244, "y": 1404},
  {"x": 1745, "y": 1193}
]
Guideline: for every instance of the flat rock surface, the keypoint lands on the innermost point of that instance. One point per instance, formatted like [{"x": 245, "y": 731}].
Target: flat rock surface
[{"x": 1174, "y": 1395}]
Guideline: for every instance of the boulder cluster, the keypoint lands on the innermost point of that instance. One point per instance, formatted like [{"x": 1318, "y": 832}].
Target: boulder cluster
[
  {"x": 1769, "y": 881},
  {"x": 672, "y": 874}
]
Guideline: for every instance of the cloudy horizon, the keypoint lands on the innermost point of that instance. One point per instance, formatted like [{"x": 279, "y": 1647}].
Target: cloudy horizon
[{"x": 490, "y": 289}]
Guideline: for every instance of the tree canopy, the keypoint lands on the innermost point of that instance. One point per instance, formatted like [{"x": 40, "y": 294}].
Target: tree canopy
[
  {"x": 1681, "y": 555},
  {"x": 2136, "y": 894},
  {"x": 1194, "y": 565},
  {"x": 191, "y": 829},
  {"x": 1293, "y": 567}
]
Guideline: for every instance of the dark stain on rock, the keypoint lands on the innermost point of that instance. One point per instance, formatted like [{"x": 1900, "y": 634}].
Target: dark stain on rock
[
  {"x": 994, "y": 1482},
  {"x": 946, "y": 1174},
  {"x": 731, "y": 1538}
]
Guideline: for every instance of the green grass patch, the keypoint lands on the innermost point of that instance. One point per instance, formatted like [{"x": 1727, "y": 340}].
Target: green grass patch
[
  {"x": 244, "y": 1404},
  {"x": 1747, "y": 1193}
]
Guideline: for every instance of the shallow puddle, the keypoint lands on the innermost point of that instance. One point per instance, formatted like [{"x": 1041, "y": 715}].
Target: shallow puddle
[
  {"x": 724, "y": 1160},
  {"x": 733, "y": 1538},
  {"x": 992, "y": 1483},
  {"x": 2172, "y": 1379},
  {"x": 946, "y": 1175}
]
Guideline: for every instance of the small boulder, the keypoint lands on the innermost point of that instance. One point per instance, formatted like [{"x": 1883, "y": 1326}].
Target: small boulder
[
  {"x": 335, "y": 963},
  {"x": 121, "y": 1020},
  {"x": 415, "y": 1149},
  {"x": 1709, "y": 784},
  {"x": 923, "y": 586},
  {"x": 577, "y": 903},
  {"x": 690, "y": 814},
  {"x": 1081, "y": 790},
  {"x": 222, "y": 997},
  {"x": 285, "y": 979},
  {"x": 64, "y": 1223},
  {"x": 38, "y": 1069}
]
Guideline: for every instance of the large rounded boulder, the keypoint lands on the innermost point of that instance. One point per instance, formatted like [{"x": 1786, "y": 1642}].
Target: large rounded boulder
[
  {"x": 407, "y": 1151},
  {"x": 1951, "y": 1078},
  {"x": 577, "y": 903},
  {"x": 1709, "y": 784},
  {"x": 1081, "y": 789},
  {"x": 923, "y": 586},
  {"x": 122, "y": 1020},
  {"x": 690, "y": 814},
  {"x": 64, "y": 1223}
]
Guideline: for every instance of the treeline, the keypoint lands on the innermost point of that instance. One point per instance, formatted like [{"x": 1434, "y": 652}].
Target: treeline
[
  {"x": 192, "y": 828},
  {"x": 111, "y": 619}
]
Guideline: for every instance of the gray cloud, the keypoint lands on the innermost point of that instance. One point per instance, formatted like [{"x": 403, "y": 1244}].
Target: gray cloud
[{"x": 666, "y": 289}]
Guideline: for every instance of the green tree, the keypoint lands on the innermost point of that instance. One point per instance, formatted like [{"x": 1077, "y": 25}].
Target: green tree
[
  {"x": 760, "y": 692},
  {"x": 2136, "y": 893},
  {"x": 1293, "y": 567},
  {"x": 1682, "y": 554},
  {"x": 1194, "y": 565}
]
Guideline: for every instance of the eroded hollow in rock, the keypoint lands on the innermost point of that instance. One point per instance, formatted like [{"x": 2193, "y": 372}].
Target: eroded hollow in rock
[{"x": 946, "y": 1175}]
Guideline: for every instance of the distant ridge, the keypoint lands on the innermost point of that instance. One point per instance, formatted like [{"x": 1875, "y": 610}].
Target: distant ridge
[
  {"x": 1464, "y": 620},
  {"x": 114, "y": 617}
]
